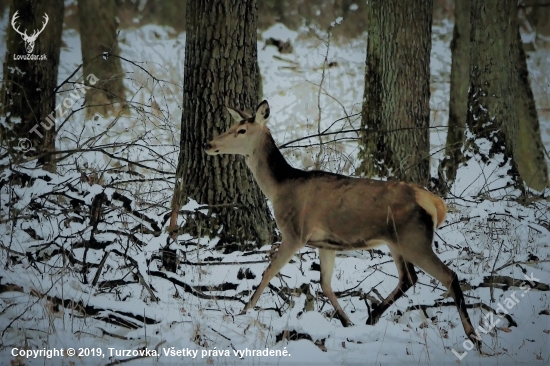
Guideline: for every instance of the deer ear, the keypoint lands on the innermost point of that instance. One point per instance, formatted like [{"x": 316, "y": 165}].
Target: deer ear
[
  {"x": 262, "y": 113},
  {"x": 237, "y": 115}
]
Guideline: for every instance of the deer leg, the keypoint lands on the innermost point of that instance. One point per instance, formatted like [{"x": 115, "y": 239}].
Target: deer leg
[
  {"x": 284, "y": 254},
  {"x": 431, "y": 263},
  {"x": 407, "y": 278},
  {"x": 326, "y": 258}
]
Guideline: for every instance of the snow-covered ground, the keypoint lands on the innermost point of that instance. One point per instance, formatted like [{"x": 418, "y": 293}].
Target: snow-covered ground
[{"x": 485, "y": 233}]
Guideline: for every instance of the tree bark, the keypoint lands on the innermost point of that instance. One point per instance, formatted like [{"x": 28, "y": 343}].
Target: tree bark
[
  {"x": 458, "y": 102},
  {"x": 27, "y": 95},
  {"x": 220, "y": 70},
  {"x": 98, "y": 37},
  {"x": 396, "y": 98},
  {"x": 501, "y": 109},
  {"x": 531, "y": 163},
  {"x": 491, "y": 111}
]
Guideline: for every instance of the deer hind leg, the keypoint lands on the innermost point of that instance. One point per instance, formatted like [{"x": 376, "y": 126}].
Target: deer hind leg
[
  {"x": 286, "y": 250},
  {"x": 429, "y": 262},
  {"x": 326, "y": 257},
  {"x": 407, "y": 279}
]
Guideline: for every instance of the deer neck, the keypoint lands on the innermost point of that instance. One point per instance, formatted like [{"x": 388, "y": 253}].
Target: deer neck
[{"x": 269, "y": 167}]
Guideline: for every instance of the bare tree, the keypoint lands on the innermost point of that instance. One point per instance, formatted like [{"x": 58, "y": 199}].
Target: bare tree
[
  {"x": 530, "y": 149},
  {"x": 220, "y": 69},
  {"x": 396, "y": 99},
  {"x": 27, "y": 95},
  {"x": 98, "y": 37},
  {"x": 501, "y": 109},
  {"x": 458, "y": 102},
  {"x": 525, "y": 143}
]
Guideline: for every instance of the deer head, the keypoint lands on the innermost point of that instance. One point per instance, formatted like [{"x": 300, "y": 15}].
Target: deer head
[
  {"x": 29, "y": 40},
  {"x": 244, "y": 135}
]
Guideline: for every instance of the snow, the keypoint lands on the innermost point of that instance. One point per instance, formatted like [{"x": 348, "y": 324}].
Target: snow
[{"x": 486, "y": 231}]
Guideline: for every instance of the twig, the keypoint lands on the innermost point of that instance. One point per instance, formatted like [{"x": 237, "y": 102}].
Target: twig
[
  {"x": 100, "y": 268},
  {"x": 321, "y": 149},
  {"x": 147, "y": 287},
  {"x": 521, "y": 262},
  {"x": 356, "y": 130},
  {"x": 279, "y": 292},
  {"x": 219, "y": 333},
  {"x": 27, "y": 308},
  {"x": 491, "y": 290}
]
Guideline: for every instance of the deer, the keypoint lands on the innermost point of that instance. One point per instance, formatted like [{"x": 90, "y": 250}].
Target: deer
[
  {"x": 29, "y": 40},
  {"x": 333, "y": 212}
]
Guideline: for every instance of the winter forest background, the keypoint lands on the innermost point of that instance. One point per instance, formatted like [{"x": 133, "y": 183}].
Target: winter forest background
[{"x": 101, "y": 141}]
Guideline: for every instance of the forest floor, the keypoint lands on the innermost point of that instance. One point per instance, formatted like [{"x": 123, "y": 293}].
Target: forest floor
[{"x": 112, "y": 294}]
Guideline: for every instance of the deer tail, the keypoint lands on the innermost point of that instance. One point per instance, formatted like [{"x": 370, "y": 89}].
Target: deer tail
[{"x": 434, "y": 205}]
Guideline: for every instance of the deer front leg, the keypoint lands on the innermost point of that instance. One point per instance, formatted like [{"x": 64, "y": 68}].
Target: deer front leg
[{"x": 286, "y": 250}]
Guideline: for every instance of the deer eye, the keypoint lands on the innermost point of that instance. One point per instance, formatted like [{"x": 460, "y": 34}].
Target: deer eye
[{"x": 240, "y": 132}]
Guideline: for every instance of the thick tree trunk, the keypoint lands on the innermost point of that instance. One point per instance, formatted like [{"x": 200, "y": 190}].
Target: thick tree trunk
[
  {"x": 98, "y": 36},
  {"x": 530, "y": 159},
  {"x": 396, "y": 99},
  {"x": 27, "y": 95},
  {"x": 220, "y": 70},
  {"x": 458, "y": 103},
  {"x": 501, "y": 109},
  {"x": 491, "y": 106}
]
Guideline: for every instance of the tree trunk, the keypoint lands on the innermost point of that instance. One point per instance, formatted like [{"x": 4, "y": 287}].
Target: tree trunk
[
  {"x": 396, "y": 99},
  {"x": 220, "y": 70},
  {"x": 500, "y": 102},
  {"x": 491, "y": 111},
  {"x": 530, "y": 159},
  {"x": 458, "y": 103},
  {"x": 98, "y": 36},
  {"x": 27, "y": 95}
]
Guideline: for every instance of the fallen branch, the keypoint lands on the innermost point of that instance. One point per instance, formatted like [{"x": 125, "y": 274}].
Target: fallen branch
[
  {"x": 223, "y": 263},
  {"x": 437, "y": 304},
  {"x": 105, "y": 333},
  {"x": 226, "y": 286},
  {"x": 505, "y": 282},
  {"x": 90, "y": 310},
  {"x": 521, "y": 262},
  {"x": 189, "y": 289},
  {"x": 115, "y": 283},
  {"x": 9, "y": 287}
]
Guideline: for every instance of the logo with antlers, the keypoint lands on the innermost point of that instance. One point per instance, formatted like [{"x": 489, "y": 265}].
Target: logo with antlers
[{"x": 29, "y": 40}]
